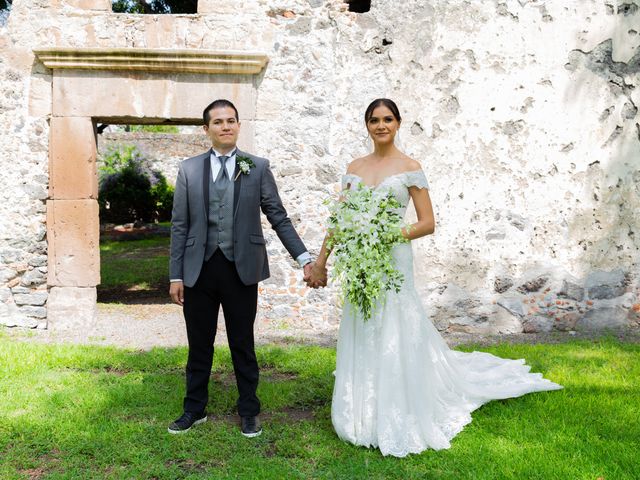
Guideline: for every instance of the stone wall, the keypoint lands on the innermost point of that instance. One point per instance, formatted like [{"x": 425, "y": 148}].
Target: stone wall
[
  {"x": 522, "y": 113},
  {"x": 164, "y": 150}
]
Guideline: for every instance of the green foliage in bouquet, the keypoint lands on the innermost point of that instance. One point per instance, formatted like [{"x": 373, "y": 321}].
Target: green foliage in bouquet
[{"x": 365, "y": 225}]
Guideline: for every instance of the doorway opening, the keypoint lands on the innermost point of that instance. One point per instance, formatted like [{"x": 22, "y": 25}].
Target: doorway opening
[{"x": 137, "y": 167}]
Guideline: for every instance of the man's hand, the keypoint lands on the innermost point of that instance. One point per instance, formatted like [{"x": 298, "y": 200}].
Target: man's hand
[
  {"x": 176, "y": 291},
  {"x": 317, "y": 277},
  {"x": 307, "y": 271}
]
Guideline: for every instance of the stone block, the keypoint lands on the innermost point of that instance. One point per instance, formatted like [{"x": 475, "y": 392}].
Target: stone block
[
  {"x": 33, "y": 278},
  {"x": 35, "y": 192},
  {"x": 158, "y": 28},
  {"x": 572, "y": 291},
  {"x": 608, "y": 318},
  {"x": 466, "y": 324},
  {"x": 503, "y": 322},
  {"x": 20, "y": 57},
  {"x": 71, "y": 308},
  {"x": 40, "y": 95},
  {"x": 246, "y": 136},
  {"x": 38, "y": 261},
  {"x": 191, "y": 93},
  {"x": 603, "y": 285},
  {"x": 326, "y": 174},
  {"x": 513, "y": 304},
  {"x": 96, "y": 5},
  {"x": 566, "y": 322},
  {"x": 502, "y": 284},
  {"x": 10, "y": 316},
  {"x": 20, "y": 290},
  {"x": 269, "y": 101},
  {"x": 32, "y": 311},
  {"x": 533, "y": 285},
  {"x": 537, "y": 324},
  {"x": 73, "y": 234},
  {"x": 146, "y": 96},
  {"x": 72, "y": 159},
  {"x": 7, "y": 274},
  {"x": 35, "y": 298},
  {"x": 228, "y": 6},
  {"x": 440, "y": 321},
  {"x": 491, "y": 321}
]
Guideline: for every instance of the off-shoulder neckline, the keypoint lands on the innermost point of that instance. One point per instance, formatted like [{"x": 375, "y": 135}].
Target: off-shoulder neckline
[{"x": 384, "y": 179}]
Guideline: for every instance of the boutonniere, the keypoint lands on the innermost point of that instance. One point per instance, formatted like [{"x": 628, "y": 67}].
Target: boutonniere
[{"x": 245, "y": 164}]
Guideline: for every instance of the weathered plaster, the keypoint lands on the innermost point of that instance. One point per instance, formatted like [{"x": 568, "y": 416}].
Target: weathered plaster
[{"x": 522, "y": 113}]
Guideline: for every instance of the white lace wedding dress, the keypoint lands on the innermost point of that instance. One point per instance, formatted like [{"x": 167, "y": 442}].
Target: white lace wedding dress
[{"x": 398, "y": 386}]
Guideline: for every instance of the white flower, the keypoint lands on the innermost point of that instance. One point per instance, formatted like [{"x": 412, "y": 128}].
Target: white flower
[
  {"x": 244, "y": 167},
  {"x": 245, "y": 164}
]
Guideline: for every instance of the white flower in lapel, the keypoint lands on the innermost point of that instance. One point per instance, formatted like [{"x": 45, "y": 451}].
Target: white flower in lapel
[{"x": 245, "y": 164}]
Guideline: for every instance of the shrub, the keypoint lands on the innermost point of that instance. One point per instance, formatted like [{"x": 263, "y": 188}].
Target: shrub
[
  {"x": 162, "y": 193},
  {"x": 154, "y": 128},
  {"x": 130, "y": 190}
]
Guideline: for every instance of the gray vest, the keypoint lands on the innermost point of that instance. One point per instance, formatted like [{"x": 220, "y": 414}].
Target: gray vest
[{"x": 220, "y": 229}]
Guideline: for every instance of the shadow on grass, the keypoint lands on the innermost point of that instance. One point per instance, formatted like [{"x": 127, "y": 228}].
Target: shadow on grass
[
  {"x": 153, "y": 295},
  {"x": 106, "y": 409},
  {"x": 134, "y": 271}
]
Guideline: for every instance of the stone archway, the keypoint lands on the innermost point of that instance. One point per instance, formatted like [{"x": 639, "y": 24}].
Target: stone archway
[{"x": 119, "y": 86}]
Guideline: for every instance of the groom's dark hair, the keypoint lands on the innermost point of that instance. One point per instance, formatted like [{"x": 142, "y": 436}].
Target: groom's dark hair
[{"x": 220, "y": 103}]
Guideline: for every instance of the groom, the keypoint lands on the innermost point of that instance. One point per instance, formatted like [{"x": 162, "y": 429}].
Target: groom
[{"x": 218, "y": 256}]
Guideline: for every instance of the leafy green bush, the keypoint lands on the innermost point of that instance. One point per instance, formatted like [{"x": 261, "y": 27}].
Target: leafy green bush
[
  {"x": 162, "y": 193},
  {"x": 154, "y": 128},
  {"x": 130, "y": 190}
]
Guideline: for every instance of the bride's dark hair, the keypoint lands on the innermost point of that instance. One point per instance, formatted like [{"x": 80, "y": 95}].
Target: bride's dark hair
[{"x": 390, "y": 104}]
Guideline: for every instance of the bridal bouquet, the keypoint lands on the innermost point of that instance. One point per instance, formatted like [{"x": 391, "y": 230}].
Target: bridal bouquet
[{"x": 365, "y": 225}]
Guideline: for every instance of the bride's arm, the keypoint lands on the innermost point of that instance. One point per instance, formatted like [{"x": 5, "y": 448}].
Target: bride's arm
[
  {"x": 318, "y": 276},
  {"x": 426, "y": 223},
  {"x": 325, "y": 251}
]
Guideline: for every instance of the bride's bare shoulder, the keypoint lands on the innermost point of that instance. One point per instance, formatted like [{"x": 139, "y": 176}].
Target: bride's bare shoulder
[
  {"x": 356, "y": 164},
  {"x": 410, "y": 164}
]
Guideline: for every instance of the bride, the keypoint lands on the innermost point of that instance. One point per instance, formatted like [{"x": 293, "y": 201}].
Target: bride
[{"x": 398, "y": 386}]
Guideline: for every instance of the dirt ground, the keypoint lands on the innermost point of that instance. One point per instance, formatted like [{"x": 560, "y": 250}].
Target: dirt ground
[{"x": 156, "y": 323}]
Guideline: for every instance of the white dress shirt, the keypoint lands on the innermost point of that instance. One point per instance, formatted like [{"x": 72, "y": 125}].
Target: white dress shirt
[{"x": 215, "y": 164}]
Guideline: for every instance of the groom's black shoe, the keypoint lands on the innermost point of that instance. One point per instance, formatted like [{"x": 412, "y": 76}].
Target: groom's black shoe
[
  {"x": 186, "y": 421},
  {"x": 251, "y": 427}
]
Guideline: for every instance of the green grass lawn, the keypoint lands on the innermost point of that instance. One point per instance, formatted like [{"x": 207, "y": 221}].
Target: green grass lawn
[
  {"x": 134, "y": 264},
  {"x": 98, "y": 412}
]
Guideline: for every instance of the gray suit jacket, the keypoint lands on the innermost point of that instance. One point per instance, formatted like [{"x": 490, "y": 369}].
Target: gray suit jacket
[{"x": 253, "y": 192}]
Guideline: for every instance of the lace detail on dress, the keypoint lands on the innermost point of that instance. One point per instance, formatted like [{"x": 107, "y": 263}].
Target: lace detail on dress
[
  {"x": 398, "y": 182},
  {"x": 416, "y": 178}
]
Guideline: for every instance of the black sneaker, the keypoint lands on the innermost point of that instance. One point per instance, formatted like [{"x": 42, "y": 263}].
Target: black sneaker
[
  {"x": 251, "y": 427},
  {"x": 186, "y": 421}
]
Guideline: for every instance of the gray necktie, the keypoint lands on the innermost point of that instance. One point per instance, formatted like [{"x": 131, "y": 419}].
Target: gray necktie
[{"x": 222, "y": 180}]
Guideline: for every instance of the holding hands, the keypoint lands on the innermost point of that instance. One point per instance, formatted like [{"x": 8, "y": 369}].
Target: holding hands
[{"x": 315, "y": 275}]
